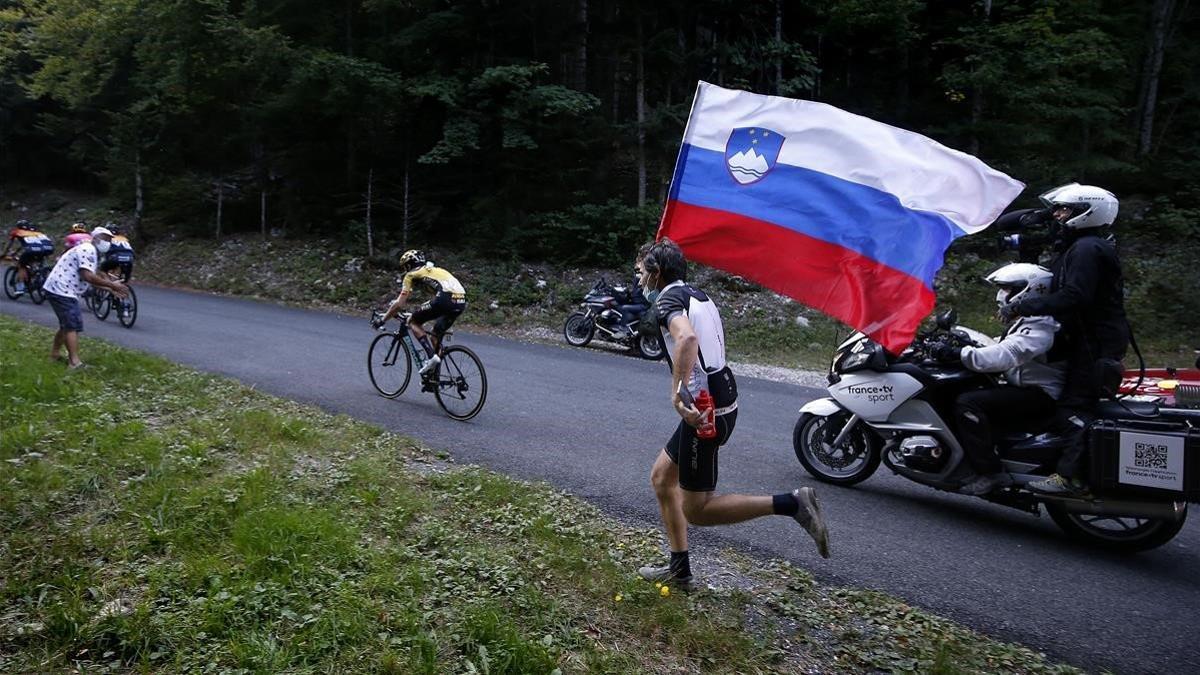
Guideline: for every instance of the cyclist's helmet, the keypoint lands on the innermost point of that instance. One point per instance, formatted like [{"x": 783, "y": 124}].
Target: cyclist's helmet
[
  {"x": 411, "y": 260},
  {"x": 25, "y": 225},
  {"x": 79, "y": 228}
]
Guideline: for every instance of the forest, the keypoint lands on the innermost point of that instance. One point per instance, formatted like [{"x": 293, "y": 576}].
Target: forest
[{"x": 548, "y": 130}]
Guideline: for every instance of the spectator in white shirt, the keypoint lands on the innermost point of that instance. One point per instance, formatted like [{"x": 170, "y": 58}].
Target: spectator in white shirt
[{"x": 67, "y": 281}]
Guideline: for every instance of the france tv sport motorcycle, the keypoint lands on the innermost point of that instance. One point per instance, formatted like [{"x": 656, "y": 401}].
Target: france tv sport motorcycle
[
  {"x": 601, "y": 311},
  {"x": 895, "y": 410}
]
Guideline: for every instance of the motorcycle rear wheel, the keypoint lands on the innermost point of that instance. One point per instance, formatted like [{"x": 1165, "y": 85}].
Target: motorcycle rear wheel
[
  {"x": 1124, "y": 535},
  {"x": 854, "y": 462},
  {"x": 579, "y": 329},
  {"x": 650, "y": 347}
]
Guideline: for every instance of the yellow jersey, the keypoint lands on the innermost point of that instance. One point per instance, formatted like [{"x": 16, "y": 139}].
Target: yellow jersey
[{"x": 434, "y": 278}]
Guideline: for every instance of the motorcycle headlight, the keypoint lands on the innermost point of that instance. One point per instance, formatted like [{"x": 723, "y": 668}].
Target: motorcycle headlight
[
  {"x": 855, "y": 361},
  {"x": 871, "y": 356}
]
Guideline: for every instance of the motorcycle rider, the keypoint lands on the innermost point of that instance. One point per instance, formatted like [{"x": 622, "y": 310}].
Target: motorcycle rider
[
  {"x": 638, "y": 304},
  {"x": 1088, "y": 299},
  {"x": 1034, "y": 384}
]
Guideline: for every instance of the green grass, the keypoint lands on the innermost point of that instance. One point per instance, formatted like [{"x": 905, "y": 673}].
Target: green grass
[{"x": 154, "y": 519}]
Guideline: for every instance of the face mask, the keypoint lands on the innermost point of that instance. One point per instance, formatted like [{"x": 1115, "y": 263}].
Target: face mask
[{"x": 102, "y": 246}]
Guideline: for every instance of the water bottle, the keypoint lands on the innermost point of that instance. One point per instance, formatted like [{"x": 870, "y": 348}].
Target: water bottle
[{"x": 708, "y": 423}]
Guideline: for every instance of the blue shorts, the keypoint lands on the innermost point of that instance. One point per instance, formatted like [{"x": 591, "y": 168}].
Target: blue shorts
[{"x": 67, "y": 311}]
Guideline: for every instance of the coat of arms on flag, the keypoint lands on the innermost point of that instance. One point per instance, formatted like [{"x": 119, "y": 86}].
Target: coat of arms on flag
[{"x": 751, "y": 152}]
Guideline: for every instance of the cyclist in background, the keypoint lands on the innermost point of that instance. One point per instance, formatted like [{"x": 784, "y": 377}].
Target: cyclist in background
[
  {"x": 448, "y": 302},
  {"x": 28, "y": 245},
  {"x": 119, "y": 255},
  {"x": 78, "y": 235}
]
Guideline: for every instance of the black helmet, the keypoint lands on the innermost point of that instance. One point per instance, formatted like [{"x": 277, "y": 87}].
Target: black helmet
[
  {"x": 411, "y": 260},
  {"x": 25, "y": 225}
]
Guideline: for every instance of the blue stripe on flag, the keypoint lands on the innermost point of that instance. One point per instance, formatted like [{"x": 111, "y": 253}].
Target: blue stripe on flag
[{"x": 862, "y": 219}]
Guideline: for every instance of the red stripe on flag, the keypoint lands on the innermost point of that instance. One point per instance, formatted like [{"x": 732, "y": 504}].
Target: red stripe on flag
[{"x": 882, "y": 302}]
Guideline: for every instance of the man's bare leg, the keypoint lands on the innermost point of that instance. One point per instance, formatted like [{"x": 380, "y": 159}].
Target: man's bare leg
[
  {"x": 57, "y": 345},
  {"x": 71, "y": 338},
  {"x": 664, "y": 478},
  {"x": 706, "y": 508}
]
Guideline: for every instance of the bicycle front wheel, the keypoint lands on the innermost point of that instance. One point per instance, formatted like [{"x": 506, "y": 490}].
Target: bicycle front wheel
[
  {"x": 389, "y": 364},
  {"x": 127, "y": 309},
  {"x": 461, "y": 383}
]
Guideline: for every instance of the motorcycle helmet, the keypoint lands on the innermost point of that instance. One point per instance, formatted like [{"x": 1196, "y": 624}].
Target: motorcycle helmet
[
  {"x": 1018, "y": 281},
  {"x": 1090, "y": 206},
  {"x": 411, "y": 260}
]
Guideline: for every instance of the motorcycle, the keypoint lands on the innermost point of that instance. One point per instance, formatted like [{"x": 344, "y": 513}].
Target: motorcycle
[
  {"x": 601, "y": 311},
  {"x": 1145, "y": 458}
]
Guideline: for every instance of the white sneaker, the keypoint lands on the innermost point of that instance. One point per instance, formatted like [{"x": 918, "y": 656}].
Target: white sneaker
[{"x": 430, "y": 365}]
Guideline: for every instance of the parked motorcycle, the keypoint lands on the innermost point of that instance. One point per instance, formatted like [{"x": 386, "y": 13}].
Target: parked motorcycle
[
  {"x": 1145, "y": 459},
  {"x": 600, "y": 312}
]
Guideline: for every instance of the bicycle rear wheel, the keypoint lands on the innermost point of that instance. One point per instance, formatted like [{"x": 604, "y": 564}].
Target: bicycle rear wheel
[
  {"x": 461, "y": 383},
  {"x": 389, "y": 364},
  {"x": 101, "y": 302},
  {"x": 127, "y": 309},
  {"x": 10, "y": 283}
]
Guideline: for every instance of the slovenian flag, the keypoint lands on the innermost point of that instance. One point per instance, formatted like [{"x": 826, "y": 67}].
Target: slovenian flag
[{"x": 842, "y": 213}]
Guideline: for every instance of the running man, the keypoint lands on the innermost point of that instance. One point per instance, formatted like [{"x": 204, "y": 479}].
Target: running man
[{"x": 684, "y": 476}]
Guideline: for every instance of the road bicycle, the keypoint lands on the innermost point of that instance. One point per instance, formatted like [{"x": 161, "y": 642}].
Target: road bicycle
[
  {"x": 459, "y": 382},
  {"x": 38, "y": 272},
  {"x": 101, "y": 301}
]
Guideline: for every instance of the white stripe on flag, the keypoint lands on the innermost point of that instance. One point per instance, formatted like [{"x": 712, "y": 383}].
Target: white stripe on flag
[{"x": 922, "y": 173}]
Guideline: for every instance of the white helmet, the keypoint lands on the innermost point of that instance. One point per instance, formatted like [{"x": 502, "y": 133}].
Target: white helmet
[
  {"x": 1090, "y": 206},
  {"x": 1019, "y": 281}
]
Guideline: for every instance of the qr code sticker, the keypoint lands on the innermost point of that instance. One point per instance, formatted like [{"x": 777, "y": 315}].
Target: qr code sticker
[{"x": 1150, "y": 456}]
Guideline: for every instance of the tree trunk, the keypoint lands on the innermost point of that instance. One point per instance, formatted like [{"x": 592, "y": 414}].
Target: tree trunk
[
  {"x": 370, "y": 231},
  {"x": 349, "y": 27},
  {"x": 579, "y": 63},
  {"x": 262, "y": 212},
  {"x": 139, "y": 201},
  {"x": 220, "y": 203},
  {"x": 779, "y": 47},
  {"x": 1160, "y": 20},
  {"x": 641, "y": 118},
  {"x": 404, "y": 237},
  {"x": 977, "y": 95}
]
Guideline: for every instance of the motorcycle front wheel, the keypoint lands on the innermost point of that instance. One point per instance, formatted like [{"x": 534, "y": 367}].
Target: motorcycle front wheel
[
  {"x": 650, "y": 347},
  {"x": 1116, "y": 533},
  {"x": 579, "y": 329},
  {"x": 853, "y": 462}
]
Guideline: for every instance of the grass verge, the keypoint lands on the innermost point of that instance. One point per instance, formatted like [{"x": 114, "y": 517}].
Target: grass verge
[{"x": 153, "y": 518}]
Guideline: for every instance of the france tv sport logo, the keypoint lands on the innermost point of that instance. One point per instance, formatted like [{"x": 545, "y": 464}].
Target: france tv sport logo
[{"x": 751, "y": 152}]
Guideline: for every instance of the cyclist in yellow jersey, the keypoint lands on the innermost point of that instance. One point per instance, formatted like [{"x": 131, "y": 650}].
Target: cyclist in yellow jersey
[{"x": 448, "y": 302}]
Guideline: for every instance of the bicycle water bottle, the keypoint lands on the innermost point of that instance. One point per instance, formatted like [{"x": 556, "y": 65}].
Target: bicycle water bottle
[{"x": 708, "y": 423}]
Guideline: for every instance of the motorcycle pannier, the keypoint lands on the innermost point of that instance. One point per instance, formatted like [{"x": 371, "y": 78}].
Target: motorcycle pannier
[{"x": 1133, "y": 459}]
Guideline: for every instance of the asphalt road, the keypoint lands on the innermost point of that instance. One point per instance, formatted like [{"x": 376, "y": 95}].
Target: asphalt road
[{"x": 592, "y": 422}]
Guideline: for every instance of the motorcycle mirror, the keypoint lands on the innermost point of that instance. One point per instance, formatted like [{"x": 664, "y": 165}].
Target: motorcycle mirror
[{"x": 947, "y": 319}]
